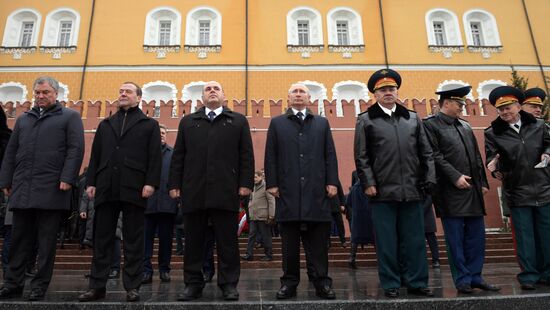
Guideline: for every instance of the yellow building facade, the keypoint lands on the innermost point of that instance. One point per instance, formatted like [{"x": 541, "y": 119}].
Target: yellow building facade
[{"x": 257, "y": 48}]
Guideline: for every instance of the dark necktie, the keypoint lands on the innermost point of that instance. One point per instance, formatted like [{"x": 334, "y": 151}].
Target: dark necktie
[
  {"x": 300, "y": 117},
  {"x": 211, "y": 115}
]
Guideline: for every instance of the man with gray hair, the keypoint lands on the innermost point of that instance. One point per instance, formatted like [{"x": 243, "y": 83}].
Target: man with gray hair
[
  {"x": 302, "y": 173},
  {"x": 40, "y": 167}
]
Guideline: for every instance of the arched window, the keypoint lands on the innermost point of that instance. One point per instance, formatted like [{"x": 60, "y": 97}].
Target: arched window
[
  {"x": 304, "y": 27},
  {"x": 318, "y": 91},
  {"x": 61, "y": 28},
  {"x": 162, "y": 27},
  {"x": 63, "y": 92},
  {"x": 13, "y": 91},
  {"x": 159, "y": 90},
  {"x": 22, "y": 28},
  {"x": 344, "y": 27},
  {"x": 203, "y": 27},
  {"x": 442, "y": 28},
  {"x": 484, "y": 88},
  {"x": 349, "y": 90},
  {"x": 193, "y": 92},
  {"x": 481, "y": 28}
]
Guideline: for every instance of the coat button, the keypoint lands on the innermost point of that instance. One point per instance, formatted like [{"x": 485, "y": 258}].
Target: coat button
[
  {"x": 302, "y": 178},
  {"x": 301, "y": 155},
  {"x": 300, "y": 134},
  {"x": 115, "y": 168},
  {"x": 117, "y": 147}
]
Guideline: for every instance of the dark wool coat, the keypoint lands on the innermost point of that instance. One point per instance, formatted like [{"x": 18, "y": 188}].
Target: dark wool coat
[
  {"x": 519, "y": 153},
  {"x": 212, "y": 160},
  {"x": 161, "y": 202},
  {"x": 42, "y": 152},
  {"x": 125, "y": 157},
  {"x": 456, "y": 153},
  {"x": 300, "y": 159}
]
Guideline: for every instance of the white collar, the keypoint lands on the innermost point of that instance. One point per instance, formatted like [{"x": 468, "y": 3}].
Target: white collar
[
  {"x": 386, "y": 110},
  {"x": 218, "y": 111},
  {"x": 296, "y": 112}
]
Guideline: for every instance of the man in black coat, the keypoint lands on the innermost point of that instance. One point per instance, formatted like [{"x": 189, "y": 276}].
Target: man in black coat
[
  {"x": 515, "y": 144},
  {"x": 461, "y": 185},
  {"x": 124, "y": 170},
  {"x": 302, "y": 173},
  {"x": 394, "y": 164},
  {"x": 212, "y": 165},
  {"x": 159, "y": 217},
  {"x": 39, "y": 169}
]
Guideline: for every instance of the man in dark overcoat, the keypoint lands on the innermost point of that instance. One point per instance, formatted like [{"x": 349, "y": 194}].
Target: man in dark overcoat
[
  {"x": 159, "y": 220},
  {"x": 461, "y": 185},
  {"x": 302, "y": 173},
  {"x": 40, "y": 167},
  {"x": 124, "y": 171},
  {"x": 395, "y": 166},
  {"x": 212, "y": 165},
  {"x": 515, "y": 144}
]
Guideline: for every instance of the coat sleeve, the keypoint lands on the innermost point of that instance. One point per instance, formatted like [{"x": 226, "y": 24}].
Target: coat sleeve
[
  {"x": 270, "y": 204},
  {"x": 490, "y": 147},
  {"x": 84, "y": 201},
  {"x": 95, "y": 156},
  {"x": 271, "y": 158},
  {"x": 154, "y": 166},
  {"x": 246, "y": 157},
  {"x": 441, "y": 163},
  {"x": 178, "y": 157},
  {"x": 484, "y": 182},
  {"x": 361, "y": 154},
  {"x": 546, "y": 141},
  {"x": 425, "y": 154},
  {"x": 331, "y": 162},
  {"x": 8, "y": 161},
  {"x": 75, "y": 149}
]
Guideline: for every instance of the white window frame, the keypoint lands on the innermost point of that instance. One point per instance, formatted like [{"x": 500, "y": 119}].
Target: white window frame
[
  {"x": 186, "y": 94},
  {"x": 152, "y": 26},
  {"x": 484, "y": 84},
  {"x": 355, "y": 26},
  {"x": 489, "y": 28},
  {"x": 24, "y": 91},
  {"x": 65, "y": 89},
  {"x": 14, "y": 23},
  {"x": 364, "y": 95},
  {"x": 52, "y": 27},
  {"x": 315, "y": 25},
  {"x": 192, "y": 29},
  {"x": 450, "y": 25}
]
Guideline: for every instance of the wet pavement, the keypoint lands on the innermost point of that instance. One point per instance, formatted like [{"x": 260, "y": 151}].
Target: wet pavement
[{"x": 257, "y": 287}]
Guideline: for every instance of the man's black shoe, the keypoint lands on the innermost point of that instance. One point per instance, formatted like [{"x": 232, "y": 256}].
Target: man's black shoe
[
  {"x": 247, "y": 257},
  {"x": 132, "y": 295},
  {"x": 486, "y": 287},
  {"x": 6, "y": 293},
  {"x": 91, "y": 295},
  {"x": 230, "y": 293},
  {"x": 190, "y": 293},
  {"x": 325, "y": 292},
  {"x": 164, "y": 277},
  {"x": 147, "y": 278},
  {"x": 391, "y": 293},
  {"x": 528, "y": 286},
  {"x": 436, "y": 264},
  {"x": 286, "y": 292},
  {"x": 464, "y": 288},
  {"x": 420, "y": 291},
  {"x": 267, "y": 258},
  {"x": 114, "y": 274},
  {"x": 36, "y": 294}
]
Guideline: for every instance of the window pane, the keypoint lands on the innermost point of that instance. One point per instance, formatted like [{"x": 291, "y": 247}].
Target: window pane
[
  {"x": 439, "y": 33},
  {"x": 26, "y": 34},
  {"x": 303, "y": 32},
  {"x": 65, "y": 28},
  {"x": 477, "y": 36},
  {"x": 204, "y": 32},
  {"x": 165, "y": 26},
  {"x": 342, "y": 32}
]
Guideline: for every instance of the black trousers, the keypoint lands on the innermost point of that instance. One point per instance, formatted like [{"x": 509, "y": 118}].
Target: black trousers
[
  {"x": 314, "y": 236},
  {"x": 339, "y": 222},
  {"x": 163, "y": 223},
  {"x": 224, "y": 224},
  {"x": 31, "y": 227},
  {"x": 105, "y": 222}
]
